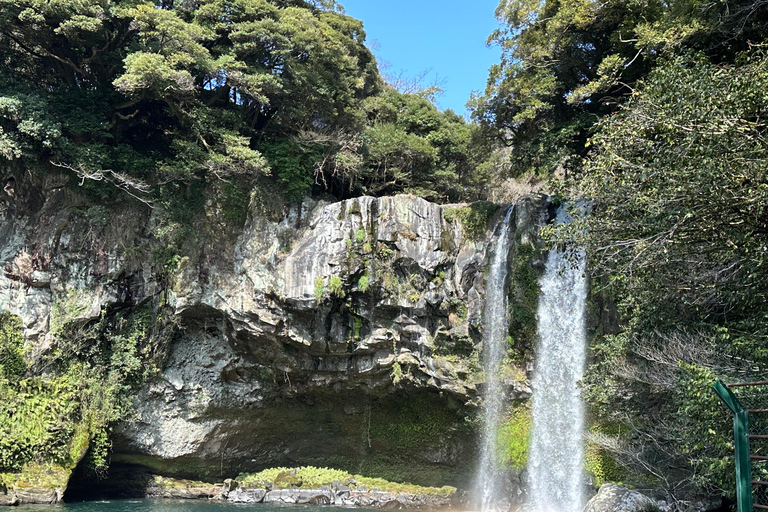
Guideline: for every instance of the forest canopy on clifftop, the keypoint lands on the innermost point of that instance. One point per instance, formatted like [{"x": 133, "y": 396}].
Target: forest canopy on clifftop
[{"x": 144, "y": 96}]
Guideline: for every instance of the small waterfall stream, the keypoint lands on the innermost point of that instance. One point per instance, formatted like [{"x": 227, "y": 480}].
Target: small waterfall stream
[
  {"x": 494, "y": 355},
  {"x": 555, "y": 465}
]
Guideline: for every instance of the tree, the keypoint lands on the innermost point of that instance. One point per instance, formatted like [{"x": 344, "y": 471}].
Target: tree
[
  {"x": 678, "y": 235},
  {"x": 567, "y": 63}
]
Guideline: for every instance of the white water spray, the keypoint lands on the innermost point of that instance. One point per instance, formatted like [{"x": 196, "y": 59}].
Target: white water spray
[
  {"x": 494, "y": 355},
  {"x": 555, "y": 478}
]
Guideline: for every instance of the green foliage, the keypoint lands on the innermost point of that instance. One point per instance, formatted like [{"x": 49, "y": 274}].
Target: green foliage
[
  {"x": 294, "y": 165},
  {"x": 474, "y": 218},
  {"x": 319, "y": 287},
  {"x": 363, "y": 283},
  {"x": 235, "y": 200},
  {"x": 310, "y": 477},
  {"x": 676, "y": 236},
  {"x": 566, "y": 64},
  {"x": 336, "y": 286},
  {"x": 396, "y": 373},
  {"x": 59, "y": 417},
  {"x": 523, "y": 299},
  {"x": 129, "y": 97},
  {"x": 600, "y": 463},
  {"x": 12, "y": 363},
  {"x": 513, "y": 438}
]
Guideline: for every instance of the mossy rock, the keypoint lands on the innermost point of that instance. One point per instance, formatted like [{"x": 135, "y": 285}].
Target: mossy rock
[
  {"x": 601, "y": 464},
  {"x": 37, "y": 476},
  {"x": 288, "y": 480}
]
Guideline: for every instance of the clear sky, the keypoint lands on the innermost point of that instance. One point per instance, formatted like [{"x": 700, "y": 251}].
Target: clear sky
[{"x": 446, "y": 36}]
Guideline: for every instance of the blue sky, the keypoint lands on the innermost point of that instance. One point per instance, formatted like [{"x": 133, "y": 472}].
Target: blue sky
[{"x": 445, "y": 36}]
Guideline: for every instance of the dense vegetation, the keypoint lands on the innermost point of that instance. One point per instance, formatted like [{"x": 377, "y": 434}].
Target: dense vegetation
[
  {"x": 63, "y": 409},
  {"x": 155, "y": 98},
  {"x": 654, "y": 114}
]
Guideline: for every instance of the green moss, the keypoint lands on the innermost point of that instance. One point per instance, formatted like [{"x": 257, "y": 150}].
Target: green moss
[
  {"x": 474, "y": 218},
  {"x": 360, "y": 236},
  {"x": 399, "y": 470},
  {"x": 413, "y": 423},
  {"x": 311, "y": 477},
  {"x": 514, "y": 437},
  {"x": 523, "y": 301},
  {"x": 601, "y": 464},
  {"x": 37, "y": 476}
]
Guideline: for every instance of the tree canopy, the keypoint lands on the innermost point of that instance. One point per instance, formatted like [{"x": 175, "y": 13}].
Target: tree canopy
[
  {"x": 140, "y": 94},
  {"x": 566, "y": 63}
]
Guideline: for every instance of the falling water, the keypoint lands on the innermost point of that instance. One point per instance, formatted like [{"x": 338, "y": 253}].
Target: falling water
[
  {"x": 555, "y": 463},
  {"x": 494, "y": 354}
]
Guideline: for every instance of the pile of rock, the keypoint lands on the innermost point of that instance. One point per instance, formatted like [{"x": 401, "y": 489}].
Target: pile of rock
[{"x": 334, "y": 494}]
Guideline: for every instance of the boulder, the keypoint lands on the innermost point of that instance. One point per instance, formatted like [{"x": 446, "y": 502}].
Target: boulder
[
  {"x": 300, "y": 496},
  {"x": 617, "y": 498},
  {"x": 8, "y": 499},
  {"x": 241, "y": 495}
]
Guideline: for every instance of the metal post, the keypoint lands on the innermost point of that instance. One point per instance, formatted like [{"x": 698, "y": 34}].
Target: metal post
[{"x": 740, "y": 433}]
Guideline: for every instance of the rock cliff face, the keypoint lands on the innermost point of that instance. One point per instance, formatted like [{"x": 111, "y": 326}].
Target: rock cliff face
[{"x": 343, "y": 334}]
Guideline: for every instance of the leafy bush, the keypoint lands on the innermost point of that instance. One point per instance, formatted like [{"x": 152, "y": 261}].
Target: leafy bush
[
  {"x": 336, "y": 286},
  {"x": 56, "y": 418},
  {"x": 474, "y": 218}
]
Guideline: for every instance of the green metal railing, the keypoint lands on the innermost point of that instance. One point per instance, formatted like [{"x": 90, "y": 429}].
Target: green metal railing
[{"x": 750, "y": 424}]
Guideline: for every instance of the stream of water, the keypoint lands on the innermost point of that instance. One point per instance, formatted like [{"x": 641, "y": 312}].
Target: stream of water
[
  {"x": 555, "y": 475},
  {"x": 494, "y": 355}
]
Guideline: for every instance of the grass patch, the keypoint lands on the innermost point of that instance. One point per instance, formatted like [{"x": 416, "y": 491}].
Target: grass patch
[{"x": 310, "y": 477}]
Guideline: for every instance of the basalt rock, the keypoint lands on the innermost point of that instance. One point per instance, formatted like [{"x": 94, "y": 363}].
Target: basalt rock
[
  {"x": 338, "y": 333},
  {"x": 617, "y": 498}
]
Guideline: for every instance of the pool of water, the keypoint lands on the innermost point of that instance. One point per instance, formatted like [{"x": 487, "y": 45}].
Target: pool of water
[{"x": 148, "y": 505}]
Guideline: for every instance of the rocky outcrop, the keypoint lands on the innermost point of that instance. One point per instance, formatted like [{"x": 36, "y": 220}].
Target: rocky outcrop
[
  {"x": 35, "y": 484},
  {"x": 617, "y": 498},
  {"x": 339, "y": 495},
  {"x": 350, "y": 335}
]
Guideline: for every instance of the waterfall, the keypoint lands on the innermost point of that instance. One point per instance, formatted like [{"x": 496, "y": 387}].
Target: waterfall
[
  {"x": 494, "y": 355},
  {"x": 555, "y": 465}
]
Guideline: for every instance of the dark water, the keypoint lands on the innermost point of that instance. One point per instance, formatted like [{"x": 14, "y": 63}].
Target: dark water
[{"x": 174, "y": 506}]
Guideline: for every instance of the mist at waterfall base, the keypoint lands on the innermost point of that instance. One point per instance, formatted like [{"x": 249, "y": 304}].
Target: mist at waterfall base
[
  {"x": 556, "y": 458},
  {"x": 488, "y": 485}
]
